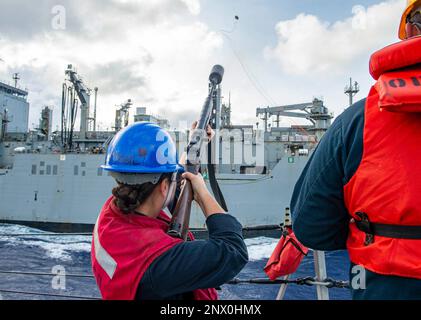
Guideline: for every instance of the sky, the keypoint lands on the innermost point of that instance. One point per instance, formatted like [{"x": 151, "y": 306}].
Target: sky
[{"x": 159, "y": 52}]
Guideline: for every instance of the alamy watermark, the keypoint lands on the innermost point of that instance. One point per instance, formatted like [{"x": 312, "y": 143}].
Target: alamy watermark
[
  {"x": 58, "y": 21},
  {"x": 58, "y": 281},
  {"x": 237, "y": 147},
  {"x": 358, "y": 278}
]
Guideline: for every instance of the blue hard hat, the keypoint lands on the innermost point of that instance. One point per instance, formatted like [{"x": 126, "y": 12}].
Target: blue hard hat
[{"x": 142, "y": 147}]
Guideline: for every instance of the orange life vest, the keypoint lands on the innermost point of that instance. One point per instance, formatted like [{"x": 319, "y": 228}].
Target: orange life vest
[
  {"x": 123, "y": 248},
  {"x": 384, "y": 195}
]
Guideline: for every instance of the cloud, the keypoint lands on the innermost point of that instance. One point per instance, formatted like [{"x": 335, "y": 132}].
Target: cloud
[
  {"x": 193, "y": 6},
  {"x": 307, "y": 44},
  {"x": 118, "y": 76},
  {"x": 154, "y": 52},
  {"x": 159, "y": 53},
  {"x": 20, "y": 20}
]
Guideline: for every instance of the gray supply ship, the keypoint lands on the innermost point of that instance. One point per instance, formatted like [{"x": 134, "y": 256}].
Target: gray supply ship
[{"x": 53, "y": 179}]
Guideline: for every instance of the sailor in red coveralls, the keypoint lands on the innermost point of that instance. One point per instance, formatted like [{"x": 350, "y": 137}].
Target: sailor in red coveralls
[
  {"x": 361, "y": 190},
  {"x": 133, "y": 258}
]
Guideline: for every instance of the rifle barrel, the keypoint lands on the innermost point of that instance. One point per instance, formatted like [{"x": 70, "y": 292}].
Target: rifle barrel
[{"x": 180, "y": 221}]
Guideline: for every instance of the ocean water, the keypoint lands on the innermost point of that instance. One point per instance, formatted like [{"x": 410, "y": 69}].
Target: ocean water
[{"x": 29, "y": 253}]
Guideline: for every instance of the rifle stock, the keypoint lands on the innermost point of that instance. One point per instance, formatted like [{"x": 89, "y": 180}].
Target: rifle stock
[
  {"x": 180, "y": 221},
  {"x": 179, "y": 226}
]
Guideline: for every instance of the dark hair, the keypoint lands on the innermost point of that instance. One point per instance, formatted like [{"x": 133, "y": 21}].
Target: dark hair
[{"x": 130, "y": 197}]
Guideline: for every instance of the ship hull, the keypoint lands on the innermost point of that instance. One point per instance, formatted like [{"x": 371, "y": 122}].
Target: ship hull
[{"x": 65, "y": 193}]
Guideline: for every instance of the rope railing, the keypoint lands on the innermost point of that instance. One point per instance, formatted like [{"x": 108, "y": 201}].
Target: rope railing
[
  {"x": 42, "y": 294},
  {"x": 307, "y": 281},
  {"x": 46, "y": 274},
  {"x": 11, "y": 235},
  {"x": 51, "y": 234}
]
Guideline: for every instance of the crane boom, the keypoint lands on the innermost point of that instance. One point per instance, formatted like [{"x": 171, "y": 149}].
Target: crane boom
[
  {"x": 83, "y": 93},
  {"x": 313, "y": 111}
]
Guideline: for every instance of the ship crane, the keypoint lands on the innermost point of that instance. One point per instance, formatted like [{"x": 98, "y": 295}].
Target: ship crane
[
  {"x": 4, "y": 120},
  {"x": 84, "y": 95},
  {"x": 122, "y": 115},
  {"x": 314, "y": 111}
]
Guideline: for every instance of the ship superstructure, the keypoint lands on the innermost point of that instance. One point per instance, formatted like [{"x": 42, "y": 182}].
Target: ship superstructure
[{"x": 54, "y": 179}]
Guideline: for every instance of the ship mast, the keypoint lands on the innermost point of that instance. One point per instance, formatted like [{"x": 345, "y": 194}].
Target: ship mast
[
  {"x": 352, "y": 91},
  {"x": 95, "y": 105},
  {"x": 16, "y": 78}
]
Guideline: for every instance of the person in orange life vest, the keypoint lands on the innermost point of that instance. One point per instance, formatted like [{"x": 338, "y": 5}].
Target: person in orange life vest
[
  {"x": 361, "y": 189},
  {"x": 133, "y": 257}
]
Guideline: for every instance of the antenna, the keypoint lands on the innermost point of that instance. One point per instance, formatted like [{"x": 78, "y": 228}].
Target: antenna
[
  {"x": 16, "y": 78},
  {"x": 352, "y": 90},
  {"x": 96, "y": 98}
]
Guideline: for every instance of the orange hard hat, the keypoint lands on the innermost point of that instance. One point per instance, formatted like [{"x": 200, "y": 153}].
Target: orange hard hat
[{"x": 412, "y": 4}]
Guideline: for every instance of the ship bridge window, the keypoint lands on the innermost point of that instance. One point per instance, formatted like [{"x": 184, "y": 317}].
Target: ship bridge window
[
  {"x": 99, "y": 172},
  {"x": 34, "y": 169},
  {"x": 55, "y": 169},
  {"x": 76, "y": 170},
  {"x": 48, "y": 170},
  {"x": 42, "y": 163},
  {"x": 83, "y": 164}
]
